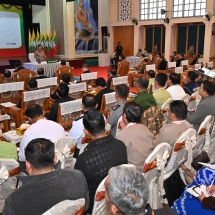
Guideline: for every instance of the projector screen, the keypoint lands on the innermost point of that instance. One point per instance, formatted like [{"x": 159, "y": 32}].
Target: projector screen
[{"x": 12, "y": 41}]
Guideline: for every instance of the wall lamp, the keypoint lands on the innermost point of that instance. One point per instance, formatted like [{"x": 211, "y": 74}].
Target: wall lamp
[
  {"x": 166, "y": 20},
  {"x": 207, "y": 16}
]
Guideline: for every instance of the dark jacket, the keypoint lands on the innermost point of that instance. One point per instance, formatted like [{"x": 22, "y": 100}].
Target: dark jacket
[
  {"x": 162, "y": 65},
  {"x": 41, "y": 192},
  {"x": 54, "y": 109},
  {"x": 98, "y": 157},
  {"x": 178, "y": 62},
  {"x": 100, "y": 95},
  {"x": 110, "y": 80},
  {"x": 191, "y": 87},
  {"x": 40, "y": 77},
  {"x": 194, "y": 61}
]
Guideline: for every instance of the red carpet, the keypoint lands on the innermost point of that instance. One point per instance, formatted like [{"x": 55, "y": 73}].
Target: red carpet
[{"x": 102, "y": 72}]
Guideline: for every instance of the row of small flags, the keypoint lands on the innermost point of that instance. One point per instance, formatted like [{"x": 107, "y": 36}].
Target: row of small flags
[{"x": 47, "y": 39}]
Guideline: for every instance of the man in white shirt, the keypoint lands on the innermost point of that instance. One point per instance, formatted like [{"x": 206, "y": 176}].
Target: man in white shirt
[
  {"x": 77, "y": 130},
  {"x": 40, "y": 128},
  {"x": 174, "y": 88}
]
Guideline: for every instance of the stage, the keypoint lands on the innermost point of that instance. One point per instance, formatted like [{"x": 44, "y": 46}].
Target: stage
[{"x": 74, "y": 62}]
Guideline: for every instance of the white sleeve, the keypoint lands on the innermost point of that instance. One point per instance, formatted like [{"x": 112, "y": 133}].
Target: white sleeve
[{"x": 23, "y": 144}]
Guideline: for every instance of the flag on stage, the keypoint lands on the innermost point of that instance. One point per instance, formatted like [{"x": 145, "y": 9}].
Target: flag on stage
[
  {"x": 42, "y": 39},
  {"x": 33, "y": 39},
  {"x": 46, "y": 43},
  {"x": 54, "y": 43},
  {"x": 50, "y": 42},
  {"x": 38, "y": 38},
  {"x": 29, "y": 41}
]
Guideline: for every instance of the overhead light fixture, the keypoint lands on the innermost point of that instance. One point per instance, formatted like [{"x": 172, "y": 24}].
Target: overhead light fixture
[
  {"x": 166, "y": 20},
  {"x": 207, "y": 16},
  {"x": 163, "y": 11}
]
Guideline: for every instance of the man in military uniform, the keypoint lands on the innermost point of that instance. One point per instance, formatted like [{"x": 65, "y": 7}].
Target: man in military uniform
[
  {"x": 77, "y": 130},
  {"x": 121, "y": 94}
]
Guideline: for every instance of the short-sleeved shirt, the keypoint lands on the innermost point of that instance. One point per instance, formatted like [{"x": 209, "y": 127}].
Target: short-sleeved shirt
[{"x": 161, "y": 95}]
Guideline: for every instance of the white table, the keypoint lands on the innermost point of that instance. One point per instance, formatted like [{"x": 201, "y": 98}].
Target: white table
[
  {"x": 49, "y": 68},
  {"x": 104, "y": 59},
  {"x": 12, "y": 138},
  {"x": 133, "y": 60}
]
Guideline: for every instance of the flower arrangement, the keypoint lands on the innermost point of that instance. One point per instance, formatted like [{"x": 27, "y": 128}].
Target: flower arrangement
[{"x": 191, "y": 49}]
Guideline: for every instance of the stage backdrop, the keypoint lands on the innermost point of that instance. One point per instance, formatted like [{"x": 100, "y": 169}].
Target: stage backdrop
[
  {"x": 12, "y": 42},
  {"x": 86, "y": 27}
]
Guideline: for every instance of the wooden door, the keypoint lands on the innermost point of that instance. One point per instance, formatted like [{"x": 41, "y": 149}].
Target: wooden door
[{"x": 125, "y": 35}]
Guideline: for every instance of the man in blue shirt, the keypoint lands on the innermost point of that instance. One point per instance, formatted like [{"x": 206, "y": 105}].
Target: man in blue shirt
[{"x": 191, "y": 86}]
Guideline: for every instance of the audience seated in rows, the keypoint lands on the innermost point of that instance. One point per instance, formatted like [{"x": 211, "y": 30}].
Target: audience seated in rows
[
  {"x": 41, "y": 74},
  {"x": 160, "y": 94},
  {"x": 7, "y": 77},
  {"x": 77, "y": 130},
  {"x": 162, "y": 64},
  {"x": 85, "y": 68},
  {"x": 63, "y": 94},
  {"x": 191, "y": 86},
  {"x": 206, "y": 106},
  {"x": 143, "y": 66},
  {"x": 102, "y": 153},
  {"x": 144, "y": 99},
  {"x": 45, "y": 186},
  {"x": 169, "y": 133},
  {"x": 139, "y": 53},
  {"x": 128, "y": 193},
  {"x": 174, "y": 88},
  {"x": 40, "y": 128},
  {"x": 181, "y": 58},
  {"x": 102, "y": 88},
  {"x": 157, "y": 59},
  {"x": 146, "y": 53},
  {"x": 113, "y": 74},
  {"x": 137, "y": 137},
  {"x": 138, "y": 65},
  {"x": 18, "y": 66},
  {"x": 151, "y": 74},
  {"x": 121, "y": 94}
]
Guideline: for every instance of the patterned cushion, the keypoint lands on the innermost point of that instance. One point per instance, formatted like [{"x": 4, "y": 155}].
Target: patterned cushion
[
  {"x": 71, "y": 116},
  {"x": 76, "y": 95},
  {"x": 41, "y": 102}
]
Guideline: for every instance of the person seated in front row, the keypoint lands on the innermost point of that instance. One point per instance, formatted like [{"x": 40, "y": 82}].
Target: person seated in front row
[
  {"x": 143, "y": 66},
  {"x": 45, "y": 186},
  {"x": 102, "y": 153},
  {"x": 181, "y": 58},
  {"x": 18, "y": 66},
  {"x": 63, "y": 93},
  {"x": 32, "y": 85},
  {"x": 85, "y": 68},
  {"x": 7, "y": 77},
  {"x": 128, "y": 193},
  {"x": 191, "y": 86},
  {"x": 113, "y": 74},
  {"x": 39, "y": 54},
  {"x": 174, "y": 88},
  {"x": 170, "y": 133},
  {"x": 41, "y": 74},
  {"x": 144, "y": 99},
  {"x": 151, "y": 74},
  {"x": 102, "y": 87},
  {"x": 139, "y": 53}
]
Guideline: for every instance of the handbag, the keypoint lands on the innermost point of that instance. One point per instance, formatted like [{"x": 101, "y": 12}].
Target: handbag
[{"x": 202, "y": 157}]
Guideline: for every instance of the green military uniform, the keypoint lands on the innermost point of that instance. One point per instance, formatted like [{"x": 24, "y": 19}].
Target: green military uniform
[{"x": 145, "y": 100}]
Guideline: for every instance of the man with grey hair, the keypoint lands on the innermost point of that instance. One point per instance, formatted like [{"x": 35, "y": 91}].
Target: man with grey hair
[
  {"x": 128, "y": 193},
  {"x": 144, "y": 99}
]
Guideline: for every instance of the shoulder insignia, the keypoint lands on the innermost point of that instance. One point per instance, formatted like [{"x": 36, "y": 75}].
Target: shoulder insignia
[{"x": 116, "y": 107}]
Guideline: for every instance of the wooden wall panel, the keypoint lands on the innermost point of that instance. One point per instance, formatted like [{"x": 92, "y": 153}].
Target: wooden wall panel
[{"x": 125, "y": 35}]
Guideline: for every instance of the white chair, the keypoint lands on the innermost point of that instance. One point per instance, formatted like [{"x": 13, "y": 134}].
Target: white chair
[
  {"x": 203, "y": 136},
  {"x": 211, "y": 151},
  {"x": 89, "y": 78},
  {"x": 195, "y": 98},
  {"x": 171, "y": 64},
  {"x": 8, "y": 181},
  {"x": 31, "y": 57},
  {"x": 72, "y": 207},
  {"x": 118, "y": 80},
  {"x": 185, "y": 98},
  {"x": 77, "y": 91},
  {"x": 108, "y": 102},
  {"x": 165, "y": 108},
  {"x": 64, "y": 149},
  {"x": 181, "y": 154},
  {"x": 184, "y": 62},
  {"x": 179, "y": 69},
  {"x": 150, "y": 67},
  {"x": 118, "y": 129},
  {"x": 153, "y": 171},
  {"x": 47, "y": 82}
]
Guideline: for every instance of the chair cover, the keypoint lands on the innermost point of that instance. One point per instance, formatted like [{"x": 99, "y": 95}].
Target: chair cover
[
  {"x": 120, "y": 80},
  {"x": 153, "y": 171},
  {"x": 211, "y": 151},
  {"x": 46, "y": 82},
  {"x": 181, "y": 154},
  {"x": 64, "y": 149},
  {"x": 203, "y": 136},
  {"x": 185, "y": 98},
  {"x": 71, "y": 207},
  {"x": 88, "y": 76},
  {"x": 9, "y": 169},
  {"x": 108, "y": 102},
  {"x": 118, "y": 129},
  {"x": 165, "y": 108},
  {"x": 195, "y": 98}
]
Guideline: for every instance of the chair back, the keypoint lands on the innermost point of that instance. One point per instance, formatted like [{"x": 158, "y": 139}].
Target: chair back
[
  {"x": 40, "y": 97},
  {"x": 153, "y": 171},
  {"x": 181, "y": 153},
  {"x": 11, "y": 92},
  {"x": 77, "y": 91},
  {"x": 153, "y": 119},
  {"x": 171, "y": 64},
  {"x": 185, "y": 98},
  {"x": 64, "y": 70},
  {"x": 123, "y": 68},
  {"x": 31, "y": 57},
  {"x": 68, "y": 112},
  {"x": 150, "y": 67},
  {"x": 9, "y": 168},
  {"x": 194, "y": 100},
  {"x": 211, "y": 150},
  {"x": 198, "y": 66},
  {"x": 47, "y": 83},
  {"x": 165, "y": 108},
  {"x": 108, "y": 102},
  {"x": 24, "y": 75},
  {"x": 64, "y": 149},
  {"x": 71, "y": 207},
  {"x": 179, "y": 70},
  {"x": 89, "y": 78},
  {"x": 203, "y": 136},
  {"x": 210, "y": 65},
  {"x": 117, "y": 81}
]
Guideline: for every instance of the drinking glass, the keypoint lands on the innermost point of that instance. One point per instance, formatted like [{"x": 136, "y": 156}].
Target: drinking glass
[{"x": 13, "y": 128}]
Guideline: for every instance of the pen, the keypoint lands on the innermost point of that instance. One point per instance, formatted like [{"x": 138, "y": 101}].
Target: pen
[{"x": 211, "y": 184}]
